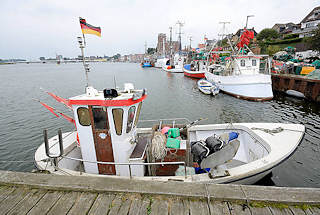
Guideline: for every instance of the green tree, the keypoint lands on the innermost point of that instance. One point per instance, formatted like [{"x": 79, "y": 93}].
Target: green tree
[
  {"x": 268, "y": 34},
  {"x": 151, "y": 50},
  {"x": 314, "y": 41},
  {"x": 271, "y": 50}
]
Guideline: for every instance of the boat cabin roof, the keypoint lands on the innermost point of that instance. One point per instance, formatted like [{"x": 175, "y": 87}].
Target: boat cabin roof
[{"x": 94, "y": 97}]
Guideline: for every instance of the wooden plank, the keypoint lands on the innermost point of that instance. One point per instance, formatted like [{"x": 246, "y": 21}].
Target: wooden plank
[
  {"x": 5, "y": 192},
  {"x": 65, "y": 203},
  {"x": 102, "y": 204},
  {"x": 28, "y": 202},
  {"x": 177, "y": 207},
  {"x": 186, "y": 205},
  {"x": 46, "y": 203},
  {"x": 297, "y": 211},
  {"x": 135, "y": 206},
  {"x": 315, "y": 210},
  {"x": 12, "y": 199},
  {"x": 124, "y": 209},
  {"x": 83, "y": 203},
  {"x": 199, "y": 207},
  {"x": 159, "y": 206},
  {"x": 115, "y": 205},
  {"x": 260, "y": 211},
  {"x": 237, "y": 209},
  {"x": 278, "y": 211},
  {"x": 219, "y": 208},
  {"x": 145, "y": 206}
]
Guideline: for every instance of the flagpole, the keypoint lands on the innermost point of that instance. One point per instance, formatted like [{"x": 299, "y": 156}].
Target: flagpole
[
  {"x": 86, "y": 66},
  {"x": 84, "y": 40}
]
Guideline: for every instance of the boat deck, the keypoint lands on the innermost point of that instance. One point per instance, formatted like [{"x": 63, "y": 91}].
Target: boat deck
[{"x": 29, "y": 193}]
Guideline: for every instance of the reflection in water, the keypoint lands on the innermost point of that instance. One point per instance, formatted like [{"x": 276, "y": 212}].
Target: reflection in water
[{"x": 169, "y": 96}]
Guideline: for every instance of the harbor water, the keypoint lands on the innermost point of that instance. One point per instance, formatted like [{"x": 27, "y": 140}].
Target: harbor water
[{"x": 23, "y": 118}]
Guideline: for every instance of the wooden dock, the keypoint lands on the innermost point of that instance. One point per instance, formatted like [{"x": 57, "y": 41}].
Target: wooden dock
[
  {"x": 309, "y": 87},
  {"x": 29, "y": 193}
]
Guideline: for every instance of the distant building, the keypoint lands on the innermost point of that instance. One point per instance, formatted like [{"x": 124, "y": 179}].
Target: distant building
[
  {"x": 309, "y": 23},
  {"x": 161, "y": 46},
  {"x": 286, "y": 28}
]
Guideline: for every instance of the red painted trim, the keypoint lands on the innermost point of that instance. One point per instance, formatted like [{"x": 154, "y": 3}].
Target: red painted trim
[
  {"x": 106, "y": 102},
  {"x": 248, "y": 57},
  {"x": 195, "y": 75}
]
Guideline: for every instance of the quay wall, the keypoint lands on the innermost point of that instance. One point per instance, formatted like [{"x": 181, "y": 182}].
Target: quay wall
[{"x": 309, "y": 87}]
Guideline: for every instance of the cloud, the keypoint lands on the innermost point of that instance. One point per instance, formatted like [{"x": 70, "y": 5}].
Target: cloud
[{"x": 35, "y": 28}]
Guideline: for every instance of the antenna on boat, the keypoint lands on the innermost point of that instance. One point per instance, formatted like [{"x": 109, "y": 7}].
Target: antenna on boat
[
  {"x": 170, "y": 46},
  {"x": 114, "y": 81},
  {"x": 180, "y": 26},
  {"x": 85, "y": 65}
]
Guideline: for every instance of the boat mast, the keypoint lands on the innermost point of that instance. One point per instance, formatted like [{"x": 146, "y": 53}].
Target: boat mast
[
  {"x": 170, "y": 46},
  {"x": 180, "y": 26},
  {"x": 85, "y": 65}
]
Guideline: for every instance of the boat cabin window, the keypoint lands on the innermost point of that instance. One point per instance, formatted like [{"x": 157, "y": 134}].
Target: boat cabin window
[
  {"x": 117, "y": 114},
  {"x": 138, "y": 114},
  {"x": 131, "y": 113},
  {"x": 99, "y": 117},
  {"x": 242, "y": 63},
  {"x": 254, "y": 62},
  {"x": 83, "y": 116}
]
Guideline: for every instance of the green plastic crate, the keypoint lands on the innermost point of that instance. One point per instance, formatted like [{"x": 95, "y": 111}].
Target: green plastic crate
[
  {"x": 173, "y": 132},
  {"x": 173, "y": 143}
]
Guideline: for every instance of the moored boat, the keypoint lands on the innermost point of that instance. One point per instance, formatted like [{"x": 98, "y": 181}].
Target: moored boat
[
  {"x": 207, "y": 87},
  {"x": 242, "y": 76},
  {"x": 187, "y": 70}
]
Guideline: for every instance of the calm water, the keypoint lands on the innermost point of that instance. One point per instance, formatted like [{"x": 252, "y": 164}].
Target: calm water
[{"x": 22, "y": 119}]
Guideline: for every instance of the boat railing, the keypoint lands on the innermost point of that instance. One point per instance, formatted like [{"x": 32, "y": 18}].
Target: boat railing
[
  {"x": 170, "y": 121},
  {"x": 130, "y": 164}
]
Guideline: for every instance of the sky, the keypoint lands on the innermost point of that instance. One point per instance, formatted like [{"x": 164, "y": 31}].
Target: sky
[{"x": 34, "y": 28}]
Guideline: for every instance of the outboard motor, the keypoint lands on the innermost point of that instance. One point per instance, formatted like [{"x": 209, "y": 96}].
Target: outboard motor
[
  {"x": 214, "y": 144},
  {"x": 199, "y": 151}
]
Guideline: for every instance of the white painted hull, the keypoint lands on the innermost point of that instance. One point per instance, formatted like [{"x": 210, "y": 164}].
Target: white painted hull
[
  {"x": 160, "y": 62},
  {"x": 251, "y": 87},
  {"x": 175, "y": 70},
  {"x": 279, "y": 147}
]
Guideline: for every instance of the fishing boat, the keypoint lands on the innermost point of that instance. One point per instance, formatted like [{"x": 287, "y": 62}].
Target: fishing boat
[
  {"x": 177, "y": 66},
  {"x": 207, "y": 87},
  {"x": 161, "y": 62},
  {"x": 146, "y": 63},
  {"x": 191, "y": 71},
  {"x": 242, "y": 75},
  {"x": 108, "y": 142}
]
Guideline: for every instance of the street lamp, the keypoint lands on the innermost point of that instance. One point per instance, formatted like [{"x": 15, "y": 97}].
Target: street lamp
[{"x": 247, "y": 19}]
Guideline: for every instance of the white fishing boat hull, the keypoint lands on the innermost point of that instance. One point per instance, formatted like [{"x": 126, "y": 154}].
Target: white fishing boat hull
[
  {"x": 256, "y": 87},
  {"x": 174, "y": 70},
  {"x": 160, "y": 62},
  {"x": 273, "y": 149}
]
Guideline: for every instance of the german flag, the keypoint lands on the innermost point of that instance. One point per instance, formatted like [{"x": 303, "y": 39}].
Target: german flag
[{"x": 89, "y": 29}]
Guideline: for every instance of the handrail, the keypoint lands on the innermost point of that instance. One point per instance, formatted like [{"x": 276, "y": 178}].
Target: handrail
[
  {"x": 129, "y": 164},
  {"x": 157, "y": 120}
]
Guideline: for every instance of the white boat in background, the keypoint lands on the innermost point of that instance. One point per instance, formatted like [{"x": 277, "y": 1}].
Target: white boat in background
[
  {"x": 207, "y": 87},
  {"x": 243, "y": 77},
  {"x": 161, "y": 62},
  {"x": 177, "y": 66}
]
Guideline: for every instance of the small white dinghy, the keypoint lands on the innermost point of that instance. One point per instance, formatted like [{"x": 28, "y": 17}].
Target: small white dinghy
[{"x": 207, "y": 87}]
